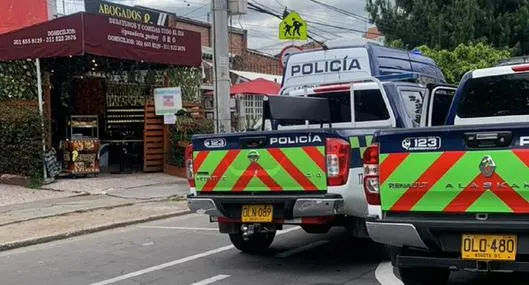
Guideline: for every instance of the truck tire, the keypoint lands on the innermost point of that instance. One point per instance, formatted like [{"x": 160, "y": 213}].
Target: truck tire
[
  {"x": 316, "y": 229},
  {"x": 424, "y": 276},
  {"x": 256, "y": 243}
]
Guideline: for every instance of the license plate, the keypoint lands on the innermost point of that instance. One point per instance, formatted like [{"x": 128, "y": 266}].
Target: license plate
[
  {"x": 257, "y": 213},
  {"x": 489, "y": 247}
]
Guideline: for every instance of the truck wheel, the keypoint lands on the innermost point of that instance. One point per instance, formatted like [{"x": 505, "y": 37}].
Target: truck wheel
[
  {"x": 424, "y": 276},
  {"x": 256, "y": 243},
  {"x": 316, "y": 229}
]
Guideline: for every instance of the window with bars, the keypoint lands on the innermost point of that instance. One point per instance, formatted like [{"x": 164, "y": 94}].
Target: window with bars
[{"x": 252, "y": 112}]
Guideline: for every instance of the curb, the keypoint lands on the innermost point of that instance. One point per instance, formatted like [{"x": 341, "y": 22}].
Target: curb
[
  {"x": 46, "y": 239},
  {"x": 71, "y": 212}
]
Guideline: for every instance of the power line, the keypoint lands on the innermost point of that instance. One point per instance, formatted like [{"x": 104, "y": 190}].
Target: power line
[
  {"x": 344, "y": 28},
  {"x": 265, "y": 10},
  {"x": 342, "y": 11},
  {"x": 280, "y": 4}
]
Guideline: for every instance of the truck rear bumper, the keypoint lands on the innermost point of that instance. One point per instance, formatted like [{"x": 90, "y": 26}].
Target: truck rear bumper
[
  {"x": 395, "y": 234},
  {"x": 459, "y": 264},
  {"x": 443, "y": 234},
  {"x": 284, "y": 207}
]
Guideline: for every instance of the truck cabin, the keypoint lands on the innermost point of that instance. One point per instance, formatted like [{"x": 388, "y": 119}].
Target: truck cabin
[{"x": 368, "y": 86}]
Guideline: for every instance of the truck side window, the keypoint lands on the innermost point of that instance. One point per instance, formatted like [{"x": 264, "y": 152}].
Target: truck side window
[
  {"x": 441, "y": 105},
  {"x": 504, "y": 95},
  {"x": 413, "y": 101},
  {"x": 370, "y": 106},
  {"x": 340, "y": 104}
]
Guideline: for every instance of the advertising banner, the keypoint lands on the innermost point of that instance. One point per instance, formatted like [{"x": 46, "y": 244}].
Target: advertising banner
[
  {"x": 119, "y": 38},
  {"x": 138, "y": 14},
  {"x": 84, "y": 33}
]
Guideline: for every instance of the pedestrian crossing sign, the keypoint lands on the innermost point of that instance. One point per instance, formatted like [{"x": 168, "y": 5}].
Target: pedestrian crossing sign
[{"x": 293, "y": 27}]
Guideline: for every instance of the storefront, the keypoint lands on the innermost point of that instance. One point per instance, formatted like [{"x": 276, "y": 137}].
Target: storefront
[{"x": 98, "y": 77}]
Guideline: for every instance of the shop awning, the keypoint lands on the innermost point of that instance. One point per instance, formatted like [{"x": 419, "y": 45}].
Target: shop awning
[
  {"x": 258, "y": 86},
  {"x": 84, "y": 33}
]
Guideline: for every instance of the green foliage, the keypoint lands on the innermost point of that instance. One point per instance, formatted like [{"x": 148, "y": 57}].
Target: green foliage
[
  {"x": 17, "y": 80},
  {"x": 21, "y": 141},
  {"x": 180, "y": 136},
  {"x": 455, "y": 63},
  {"x": 189, "y": 80},
  {"x": 446, "y": 24}
]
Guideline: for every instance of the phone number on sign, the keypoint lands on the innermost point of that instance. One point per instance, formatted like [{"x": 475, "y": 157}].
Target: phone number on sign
[
  {"x": 58, "y": 39},
  {"x": 28, "y": 41}
]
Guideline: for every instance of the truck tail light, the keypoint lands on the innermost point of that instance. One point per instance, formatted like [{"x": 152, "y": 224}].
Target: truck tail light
[
  {"x": 189, "y": 165},
  {"x": 520, "y": 68},
  {"x": 371, "y": 184},
  {"x": 338, "y": 157}
]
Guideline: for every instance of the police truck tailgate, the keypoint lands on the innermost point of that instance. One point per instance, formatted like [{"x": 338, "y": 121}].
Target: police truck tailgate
[
  {"x": 260, "y": 162},
  {"x": 470, "y": 169}
]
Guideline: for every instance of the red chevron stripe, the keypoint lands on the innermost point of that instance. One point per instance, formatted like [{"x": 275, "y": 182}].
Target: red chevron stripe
[
  {"x": 199, "y": 159},
  {"x": 510, "y": 197},
  {"x": 255, "y": 170},
  {"x": 316, "y": 156},
  {"x": 523, "y": 155},
  {"x": 219, "y": 171},
  {"x": 437, "y": 170},
  {"x": 389, "y": 165},
  {"x": 469, "y": 195},
  {"x": 267, "y": 179},
  {"x": 294, "y": 172},
  {"x": 245, "y": 178}
]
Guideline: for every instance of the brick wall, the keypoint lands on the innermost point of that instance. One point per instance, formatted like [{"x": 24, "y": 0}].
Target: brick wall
[{"x": 255, "y": 61}]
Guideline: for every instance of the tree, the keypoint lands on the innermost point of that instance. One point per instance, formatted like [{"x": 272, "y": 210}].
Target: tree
[
  {"x": 455, "y": 63},
  {"x": 446, "y": 24}
]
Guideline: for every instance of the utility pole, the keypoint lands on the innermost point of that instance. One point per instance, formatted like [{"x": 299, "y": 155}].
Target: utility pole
[{"x": 221, "y": 66}]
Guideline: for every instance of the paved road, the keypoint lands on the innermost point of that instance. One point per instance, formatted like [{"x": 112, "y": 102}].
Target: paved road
[
  {"x": 187, "y": 250},
  {"x": 173, "y": 252}
]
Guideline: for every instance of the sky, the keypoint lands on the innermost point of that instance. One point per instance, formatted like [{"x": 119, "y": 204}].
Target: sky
[{"x": 263, "y": 29}]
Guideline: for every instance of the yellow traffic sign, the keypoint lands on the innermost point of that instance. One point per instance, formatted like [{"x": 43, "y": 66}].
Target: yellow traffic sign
[{"x": 293, "y": 27}]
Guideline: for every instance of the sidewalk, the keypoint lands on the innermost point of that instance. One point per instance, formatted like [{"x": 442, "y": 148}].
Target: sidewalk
[{"x": 71, "y": 207}]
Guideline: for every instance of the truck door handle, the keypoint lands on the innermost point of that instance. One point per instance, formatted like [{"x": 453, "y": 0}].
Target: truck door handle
[
  {"x": 488, "y": 139},
  {"x": 253, "y": 142}
]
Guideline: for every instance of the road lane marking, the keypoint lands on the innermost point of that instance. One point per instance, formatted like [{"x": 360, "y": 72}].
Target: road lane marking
[
  {"x": 287, "y": 230},
  {"x": 163, "y": 265},
  {"x": 385, "y": 276},
  {"x": 176, "y": 262},
  {"x": 301, "y": 249},
  {"x": 211, "y": 280},
  {"x": 179, "y": 228}
]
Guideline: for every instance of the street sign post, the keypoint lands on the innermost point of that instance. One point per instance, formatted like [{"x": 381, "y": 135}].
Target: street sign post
[{"x": 293, "y": 27}]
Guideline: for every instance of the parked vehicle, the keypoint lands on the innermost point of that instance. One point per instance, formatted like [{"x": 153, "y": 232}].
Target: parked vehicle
[
  {"x": 308, "y": 170},
  {"x": 456, "y": 197}
]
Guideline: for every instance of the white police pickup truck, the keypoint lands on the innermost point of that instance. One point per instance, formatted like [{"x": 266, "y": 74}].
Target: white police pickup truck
[{"x": 306, "y": 169}]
